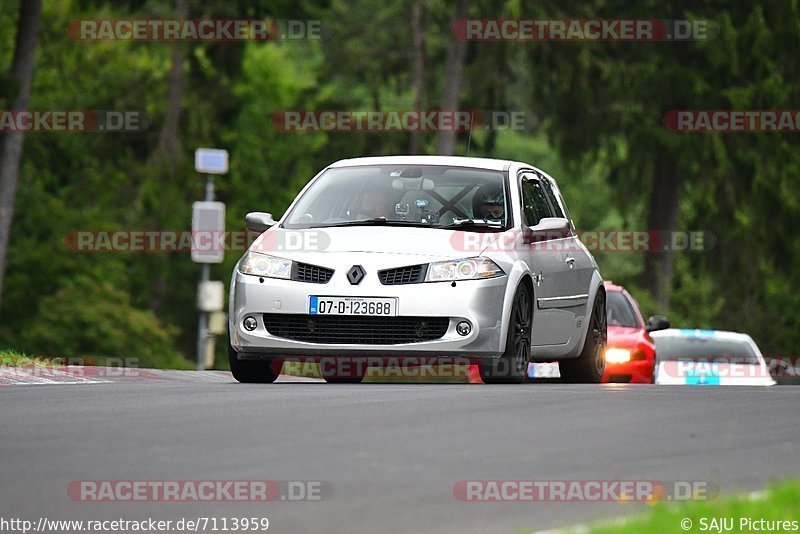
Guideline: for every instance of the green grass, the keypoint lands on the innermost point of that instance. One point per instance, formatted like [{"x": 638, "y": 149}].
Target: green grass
[
  {"x": 779, "y": 502},
  {"x": 14, "y": 358}
]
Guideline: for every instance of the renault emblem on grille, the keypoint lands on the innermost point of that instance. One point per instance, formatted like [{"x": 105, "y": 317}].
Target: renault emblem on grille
[{"x": 355, "y": 274}]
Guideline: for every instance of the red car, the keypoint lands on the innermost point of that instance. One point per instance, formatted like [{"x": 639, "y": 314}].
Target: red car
[{"x": 630, "y": 352}]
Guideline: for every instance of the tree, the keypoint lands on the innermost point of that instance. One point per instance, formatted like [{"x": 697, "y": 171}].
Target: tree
[
  {"x": 169, "y": 150},
  {"x": 453, "y": 75},
  {"x": 418, "y": 33},
  {"x": 22, "y": 69}
]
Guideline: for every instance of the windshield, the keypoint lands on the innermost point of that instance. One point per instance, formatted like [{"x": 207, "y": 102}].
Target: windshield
[
  {"x": 427, "y": 195},
  {"x": 699, "y": 349},
  {"x": 619, "y": 311}
]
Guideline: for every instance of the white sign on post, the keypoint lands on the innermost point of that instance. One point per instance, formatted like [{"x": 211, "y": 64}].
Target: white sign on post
[
  {"x": 208, "y": 232},
  {"x": 211, "y": 296},
  {"x": 211, "y": 160}
]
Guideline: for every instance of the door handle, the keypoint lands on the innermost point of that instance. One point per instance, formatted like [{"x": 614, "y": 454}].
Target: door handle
[{"x": 571, "y": 262}]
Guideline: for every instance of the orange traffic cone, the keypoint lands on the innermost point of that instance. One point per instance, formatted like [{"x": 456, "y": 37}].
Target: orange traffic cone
[{"x": 474, "y": 375}]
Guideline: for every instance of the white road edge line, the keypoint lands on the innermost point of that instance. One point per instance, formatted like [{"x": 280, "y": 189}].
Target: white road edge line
[{"x": 54, "y": 382}]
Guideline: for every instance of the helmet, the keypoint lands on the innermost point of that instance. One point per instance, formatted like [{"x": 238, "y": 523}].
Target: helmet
[{"x": 488, "y": 195}]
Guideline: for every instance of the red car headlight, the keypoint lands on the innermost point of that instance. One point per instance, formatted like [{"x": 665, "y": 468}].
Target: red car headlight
[{"x": 619, "y": 355}]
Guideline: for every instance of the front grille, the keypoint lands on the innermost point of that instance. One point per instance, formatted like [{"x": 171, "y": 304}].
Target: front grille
[
  {"x": 355, "y": 329},
  {"x": 303, "y": 272},
  {"x": 412, "y": 274}
]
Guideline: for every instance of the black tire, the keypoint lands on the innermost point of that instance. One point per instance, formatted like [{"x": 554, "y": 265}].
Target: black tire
[
  {"x": 253, "y": 371},
  {"x": 351, "y": 372},
  {"x": 589, "y": 366},
  {"x": 512, "y": 366}
]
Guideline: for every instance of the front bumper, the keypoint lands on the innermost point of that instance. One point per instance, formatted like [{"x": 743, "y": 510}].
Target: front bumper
[
  {"x": 480, "y": 302},
  {"x": 633, "y": 372}
]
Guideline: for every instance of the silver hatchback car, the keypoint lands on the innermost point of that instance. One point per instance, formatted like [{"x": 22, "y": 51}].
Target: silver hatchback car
[{"x": 404, "y": 258}]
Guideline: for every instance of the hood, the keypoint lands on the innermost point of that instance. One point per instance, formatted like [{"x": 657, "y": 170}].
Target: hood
[
  {"x": 624, "y": 336},
  {"x": 424, "y": 242}
]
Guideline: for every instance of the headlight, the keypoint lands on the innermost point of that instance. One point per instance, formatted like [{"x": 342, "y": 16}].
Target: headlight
[
  {"x": 614, "y": 355},
  {"x": 466, "y": 269},
  {"x": 264, "y": 265}
]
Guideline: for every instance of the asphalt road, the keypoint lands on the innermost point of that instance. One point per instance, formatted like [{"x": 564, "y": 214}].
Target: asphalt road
[{"x": 390, "y": 453}]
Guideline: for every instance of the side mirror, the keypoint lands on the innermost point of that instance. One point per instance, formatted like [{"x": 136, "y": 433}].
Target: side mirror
[
  {"x": 548, "y": 228},
  {"x": 657, "y": 322},
  {"x": 552, "y": 224},
  {"x": 258, "y": 221}
]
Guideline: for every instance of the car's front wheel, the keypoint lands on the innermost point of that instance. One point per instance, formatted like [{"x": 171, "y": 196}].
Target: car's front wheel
[
  {"x": 512, "y": 366},
  {"x": 253, "y": 371},
  {"x": 589, "y": 366}
]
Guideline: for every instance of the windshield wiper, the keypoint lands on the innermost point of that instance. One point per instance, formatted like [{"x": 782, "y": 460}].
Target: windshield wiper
[
  {"x": 473, "y": 224},
  {"x": 377, "y": 221}
]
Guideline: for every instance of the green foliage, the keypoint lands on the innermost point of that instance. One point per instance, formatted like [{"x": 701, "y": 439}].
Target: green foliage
[
  {"x": 270, "y": 163},
  {"x": 777, "y": 503},
  {"x": 92, "y": 318},
  {"x": 596, "y": 110}
]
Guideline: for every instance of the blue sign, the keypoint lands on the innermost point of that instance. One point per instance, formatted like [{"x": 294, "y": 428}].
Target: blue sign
[{"x": 211, "y": 160}]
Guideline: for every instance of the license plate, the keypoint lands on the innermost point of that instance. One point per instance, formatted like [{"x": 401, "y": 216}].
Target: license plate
[{"x": 378, "y": 306}]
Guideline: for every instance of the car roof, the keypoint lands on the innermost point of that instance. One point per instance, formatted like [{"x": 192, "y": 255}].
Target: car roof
[
  {"x": 611, "y": 286},
  {"x": 614, "y": 288},
  {"x": 699, "y": 332},
  {"x": 450, "y": 161}
]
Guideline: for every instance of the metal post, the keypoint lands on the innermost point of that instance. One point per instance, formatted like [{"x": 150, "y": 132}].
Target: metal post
[{"x": 202, "y": 323}]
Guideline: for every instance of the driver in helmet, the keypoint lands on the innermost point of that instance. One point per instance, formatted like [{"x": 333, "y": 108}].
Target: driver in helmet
[{"x": 488, "y": 203}]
